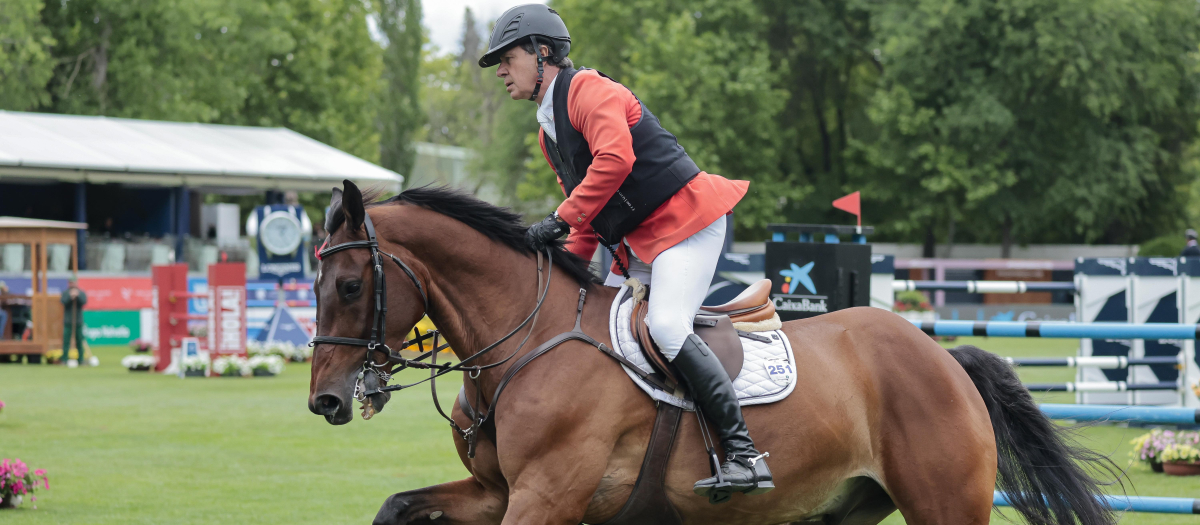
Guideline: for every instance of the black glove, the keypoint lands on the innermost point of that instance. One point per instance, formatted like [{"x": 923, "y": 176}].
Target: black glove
[{"x": 550, "y": 228}]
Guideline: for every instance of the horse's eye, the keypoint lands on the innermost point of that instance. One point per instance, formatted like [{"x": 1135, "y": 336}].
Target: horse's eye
[{"x": 353, "y": 288}]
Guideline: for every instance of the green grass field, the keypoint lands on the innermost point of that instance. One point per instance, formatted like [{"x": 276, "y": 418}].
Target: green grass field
[{"x": 125, "y": 447}]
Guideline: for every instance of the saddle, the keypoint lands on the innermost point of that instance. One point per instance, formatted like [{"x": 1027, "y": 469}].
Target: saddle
[{"x": 718, "y": 326}]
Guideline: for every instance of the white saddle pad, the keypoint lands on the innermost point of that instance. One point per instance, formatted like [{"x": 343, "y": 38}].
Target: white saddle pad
[{"x": 768, "y": 373}]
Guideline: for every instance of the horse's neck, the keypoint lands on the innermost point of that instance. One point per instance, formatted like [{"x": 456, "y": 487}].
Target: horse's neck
[
  {"x": 478, "y": 299},
  {"x": 475, "y": 318}
]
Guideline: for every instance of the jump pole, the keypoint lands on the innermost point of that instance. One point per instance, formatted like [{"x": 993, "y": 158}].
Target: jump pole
[
  {"x": 1101, "y": 386},
  {"x": 985, "y": 286},
  {"x": 1059, "y": 329},
  {"x": 1133, "y": 504},
  {"x": 1101, "y": 361},
  {"x": 1126, "y": 413}
]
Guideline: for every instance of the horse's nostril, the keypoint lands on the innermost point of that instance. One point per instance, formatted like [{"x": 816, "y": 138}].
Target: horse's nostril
[{"x": 327, "y": 405}]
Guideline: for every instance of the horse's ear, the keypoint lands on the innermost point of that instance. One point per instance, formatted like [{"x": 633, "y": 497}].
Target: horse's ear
[
  {"x": 352, "y": 205},
  {"x": 333, "y": 217}
]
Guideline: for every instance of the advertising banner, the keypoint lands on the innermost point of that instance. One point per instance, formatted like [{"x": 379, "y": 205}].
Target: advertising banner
[
  {"x": 111, "y": 327},
  {"x": 125, "y": 293}
]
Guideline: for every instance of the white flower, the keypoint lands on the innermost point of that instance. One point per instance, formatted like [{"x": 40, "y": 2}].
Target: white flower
[
  {"x": 271, "y": 363},
  {"x": 254, "y": 347},
  {"x": 139, "y": 361},
  {"x": 232, "y": 362},
  {"x": 195, "y": 362}
]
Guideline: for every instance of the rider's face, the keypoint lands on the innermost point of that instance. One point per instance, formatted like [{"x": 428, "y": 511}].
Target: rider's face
[{"x": 519, "y": 71}]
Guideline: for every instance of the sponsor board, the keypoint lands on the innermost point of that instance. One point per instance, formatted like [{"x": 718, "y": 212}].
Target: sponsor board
[
  {"x": 126, "y": 293},
  {"x": 111, "y": 327}
]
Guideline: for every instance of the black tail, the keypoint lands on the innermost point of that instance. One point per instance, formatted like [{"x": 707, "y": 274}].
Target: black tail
[{"x": 1041, "y": 468}]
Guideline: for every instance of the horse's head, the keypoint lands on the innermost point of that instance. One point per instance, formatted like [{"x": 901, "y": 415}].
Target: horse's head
[{"x": 345, "y": 293}]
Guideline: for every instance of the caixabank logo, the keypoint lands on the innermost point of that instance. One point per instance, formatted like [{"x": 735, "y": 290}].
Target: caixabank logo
[{"x": 796, "y": 281}]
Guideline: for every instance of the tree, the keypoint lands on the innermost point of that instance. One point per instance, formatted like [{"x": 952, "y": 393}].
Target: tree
[
  {"x": 26, "y": 64},
  {"x": 309, "y": 65},
  {"x": 400, "y": 114},
  {"x": 1037, "y": 120},
  {"x": 704, "y": 68}
]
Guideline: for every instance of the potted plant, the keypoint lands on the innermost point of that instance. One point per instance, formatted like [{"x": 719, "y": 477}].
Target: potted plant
[
  {"x": 195, "y": 366},
  {"x": 266, "y": 365},
  {"x": 139, "y": 362},
  {"x": 914, "y": 306},
  {"x": 141, "y": 346},
  {"x": 231, "y": 366},
  {"x": 16, "y": 480},
  {"x": 1150, "y": 447},
  {"x": 1181, "y": 460}
]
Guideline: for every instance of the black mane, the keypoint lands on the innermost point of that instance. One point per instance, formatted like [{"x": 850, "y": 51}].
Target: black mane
[{"x": 499, "y": 224}]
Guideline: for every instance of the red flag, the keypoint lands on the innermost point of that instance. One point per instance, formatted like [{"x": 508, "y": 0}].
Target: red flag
[{"x": 851, "y": 204}]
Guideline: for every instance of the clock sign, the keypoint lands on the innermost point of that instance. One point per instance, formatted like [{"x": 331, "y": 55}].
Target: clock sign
[
  {"x": 281, "y": 230},
  {"x": 280, "y": 233}
]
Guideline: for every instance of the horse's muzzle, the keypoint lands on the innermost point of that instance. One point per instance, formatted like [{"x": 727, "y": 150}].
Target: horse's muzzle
[{"x": 331, "y": 406}]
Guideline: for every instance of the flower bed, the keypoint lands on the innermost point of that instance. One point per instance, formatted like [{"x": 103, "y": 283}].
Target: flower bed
[
  {"x": 196, "y": 366},
  {"x": 141, "y": 346},
  {"x": 266, "y": 365},
  {"x": 231, "y": 366},
  {"x": 282, "y": 349},
  {"x": 17, "y": 481},
  {"x": 139, "y": 362}
]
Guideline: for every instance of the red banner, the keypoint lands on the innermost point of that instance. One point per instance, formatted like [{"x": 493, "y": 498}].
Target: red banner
[{"x": 124, "y": 293}]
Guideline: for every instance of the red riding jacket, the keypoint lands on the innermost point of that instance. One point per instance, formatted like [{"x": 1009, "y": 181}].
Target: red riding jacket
[{"x": 603, "y": 111}]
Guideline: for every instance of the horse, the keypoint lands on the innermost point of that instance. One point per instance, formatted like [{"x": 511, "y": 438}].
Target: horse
[{"x": 883, "y": 418}]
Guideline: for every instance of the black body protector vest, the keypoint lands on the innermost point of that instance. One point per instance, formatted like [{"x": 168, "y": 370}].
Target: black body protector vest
[{"x": 660, "y": 169}]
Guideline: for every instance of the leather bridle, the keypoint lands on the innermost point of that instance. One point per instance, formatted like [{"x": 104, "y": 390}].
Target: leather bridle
[
  {"x": 395, "y": 362},
  {"x": 378, "y": 339}
]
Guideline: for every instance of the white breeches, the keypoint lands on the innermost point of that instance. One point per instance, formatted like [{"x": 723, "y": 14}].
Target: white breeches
[{"x": 679, "y": 281}]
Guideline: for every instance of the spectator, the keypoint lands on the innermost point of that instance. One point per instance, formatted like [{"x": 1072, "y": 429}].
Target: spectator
[
  {"x": 1191, "y": 250},
  {"x": 73, "y": 300}
]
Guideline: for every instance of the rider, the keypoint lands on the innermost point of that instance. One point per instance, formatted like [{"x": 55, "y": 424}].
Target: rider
[{"x": 629, "y": 183}]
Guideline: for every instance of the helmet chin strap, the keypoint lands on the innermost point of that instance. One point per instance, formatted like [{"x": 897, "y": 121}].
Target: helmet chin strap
[{"x": 537, "y": 88}]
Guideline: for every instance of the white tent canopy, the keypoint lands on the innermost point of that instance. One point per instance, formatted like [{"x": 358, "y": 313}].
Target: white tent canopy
[{"x": 99, "y": 150}]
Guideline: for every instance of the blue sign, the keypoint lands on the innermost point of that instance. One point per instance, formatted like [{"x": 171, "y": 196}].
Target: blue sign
[{"x": 280, "y": 230}]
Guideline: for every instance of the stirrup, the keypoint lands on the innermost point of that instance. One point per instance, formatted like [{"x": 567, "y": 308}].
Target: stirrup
[{"x": 723, "y": 490}]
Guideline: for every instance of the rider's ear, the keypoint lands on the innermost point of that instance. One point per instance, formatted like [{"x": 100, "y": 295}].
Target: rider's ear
[{"x": 352, "y": 205}]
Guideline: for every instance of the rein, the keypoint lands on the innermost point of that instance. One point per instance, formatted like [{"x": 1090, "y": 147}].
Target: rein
[{"x": 395, "y": 362}]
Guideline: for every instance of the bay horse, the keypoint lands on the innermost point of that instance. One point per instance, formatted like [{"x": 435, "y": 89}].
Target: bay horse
[{"x": 882, "y": 419}]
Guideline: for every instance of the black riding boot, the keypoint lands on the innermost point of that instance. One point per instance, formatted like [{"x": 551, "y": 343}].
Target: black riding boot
[{"x": 744, "y": 469}]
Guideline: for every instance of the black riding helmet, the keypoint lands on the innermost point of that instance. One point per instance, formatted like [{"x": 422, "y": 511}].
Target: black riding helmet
[{"x": 535, "y": 22}]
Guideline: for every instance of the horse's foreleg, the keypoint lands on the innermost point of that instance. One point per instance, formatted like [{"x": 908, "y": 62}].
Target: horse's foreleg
[
  {"x": 557, "y": 486},
  {"x": 463, "y": 502}
]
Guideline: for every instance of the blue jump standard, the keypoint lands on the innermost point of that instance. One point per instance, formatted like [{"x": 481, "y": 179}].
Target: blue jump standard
[
  {"x": 1139, "y": 414},
  {"x": 1134, "y": 504},
  {"x": 1060, "y": 329}
]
